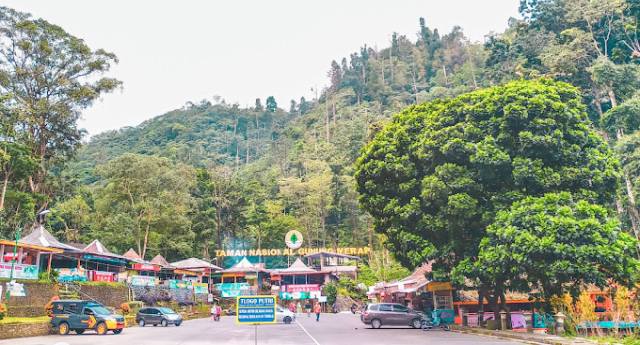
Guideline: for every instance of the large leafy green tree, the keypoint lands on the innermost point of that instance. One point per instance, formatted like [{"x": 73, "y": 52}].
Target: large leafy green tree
[
  {"x": 16, "y": 164},
  {"x": 554, "y": 244},
  {"x": 435, "y": 177},
  {"x": 153, "y": 195},
  {"x": 50, "y": 77}
]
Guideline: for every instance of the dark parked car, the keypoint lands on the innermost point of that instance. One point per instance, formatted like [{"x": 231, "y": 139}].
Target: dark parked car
[
  {"x": 80, "y": 315},
  {"x": 391, "y": 314},
  {"x": 158, "y": 316}
]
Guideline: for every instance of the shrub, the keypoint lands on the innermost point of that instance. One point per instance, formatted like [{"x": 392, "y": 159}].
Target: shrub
[
  {"x": 126, "y": 309},
  {"x": 3, "y": 310},
  {"x": 331, "y": 291},
  {"x": 48, "y": 277},
  {"x": 48, "y": 308}
]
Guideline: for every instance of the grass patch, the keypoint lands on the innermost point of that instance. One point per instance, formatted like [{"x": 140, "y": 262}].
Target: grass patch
[
  {"x": 37, "y": 319},
  {"x": 628, "y": 340},
  {"x": 27, "y": 281},
  {"x": 101, "y": 284}
]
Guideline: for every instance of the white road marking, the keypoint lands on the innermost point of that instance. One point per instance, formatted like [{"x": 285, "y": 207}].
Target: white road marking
[{"x": 307, "y": 332}]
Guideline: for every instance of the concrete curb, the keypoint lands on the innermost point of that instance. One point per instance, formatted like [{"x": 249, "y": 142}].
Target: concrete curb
[{"x": 528, "y": 338}]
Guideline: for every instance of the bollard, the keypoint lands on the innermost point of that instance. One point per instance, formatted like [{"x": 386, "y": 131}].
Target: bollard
[
  {"x": 503, "y": 320},
  {"x": 528, "y": 318},
  {"x": 559, "y": 318}
]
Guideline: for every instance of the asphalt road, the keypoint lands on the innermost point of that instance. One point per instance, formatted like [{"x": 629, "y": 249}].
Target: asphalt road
[{"x": 339, "y": 329}]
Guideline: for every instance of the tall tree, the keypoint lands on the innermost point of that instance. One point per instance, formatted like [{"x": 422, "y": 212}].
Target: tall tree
[
  {"x": 272, "y": 106},
  {"x": 51, "y": 76},
  {"x": 258, "y": 106},
  {"x": 434, "y": 178},
  {"x": 153, "y": 193},
  {"x": 16, "y": 164}
]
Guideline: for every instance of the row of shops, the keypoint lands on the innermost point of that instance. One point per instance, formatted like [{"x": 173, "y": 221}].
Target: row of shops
[
  {"x": 418, "y": 292},
  {"x": 39, "y": 252}
]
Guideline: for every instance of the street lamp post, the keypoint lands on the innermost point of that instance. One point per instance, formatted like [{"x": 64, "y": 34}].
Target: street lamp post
[{"x": 13, "y": 263}]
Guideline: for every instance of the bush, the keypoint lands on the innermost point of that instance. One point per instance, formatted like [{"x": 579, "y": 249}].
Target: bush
[
  {"x": 46, "y": 277},
  {"x": 48, "y": 308},
  {"x": 126, "y": 309},
  {"x": 331, "y": 291},
  {"x": 3, "y": 310}
]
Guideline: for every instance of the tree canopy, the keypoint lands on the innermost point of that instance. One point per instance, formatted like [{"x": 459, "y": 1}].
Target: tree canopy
[
  {"x": 437, "y": 175},
  {"x": 553, "y": 244}
]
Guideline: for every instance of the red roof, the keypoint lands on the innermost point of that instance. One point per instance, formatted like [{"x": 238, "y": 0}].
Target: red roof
[{"x": 131, "y": 254}]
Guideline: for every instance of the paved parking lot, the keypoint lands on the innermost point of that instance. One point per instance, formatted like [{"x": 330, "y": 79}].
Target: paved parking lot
[{"x": 340, "y": 329}]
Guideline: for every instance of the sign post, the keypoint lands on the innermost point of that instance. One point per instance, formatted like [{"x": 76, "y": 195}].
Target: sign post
[{"x": 255, "y": 310}]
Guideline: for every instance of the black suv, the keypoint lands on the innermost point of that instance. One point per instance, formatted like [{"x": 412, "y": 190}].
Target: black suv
[{"x": 158, "y": 316}]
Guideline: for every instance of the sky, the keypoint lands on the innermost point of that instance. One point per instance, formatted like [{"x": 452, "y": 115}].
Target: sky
[{"x": 172, "y": 52}]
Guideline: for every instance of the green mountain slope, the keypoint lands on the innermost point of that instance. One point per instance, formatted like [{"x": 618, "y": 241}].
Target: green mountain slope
[{"x": 262, "y": 173}]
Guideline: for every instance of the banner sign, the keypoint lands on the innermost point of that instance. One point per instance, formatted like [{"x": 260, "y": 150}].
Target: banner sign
[
  {"x": 255, "y": 309},
  {"x": 66, "y": 275},
  {"x": 146, "y": 267},
  {"x": 179, "y": 284},
  {"x": 357, "y": 251},
  {"x": 232, "y": 289},
  {"x": 439, "y": 286},
  {"x": 16, "y": 289},
  {"x": 297, "y": 295},
  {"x": 100, "y": 276},
  {"x": 301, "y": 288},
  {"x": 201, "y": 288},
  {"x": 20, "y": 271},
  {"x": 142, "y": 281}
]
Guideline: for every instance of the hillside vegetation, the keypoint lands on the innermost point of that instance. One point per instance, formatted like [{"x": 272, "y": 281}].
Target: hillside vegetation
[{"x": 212, "y": 175}]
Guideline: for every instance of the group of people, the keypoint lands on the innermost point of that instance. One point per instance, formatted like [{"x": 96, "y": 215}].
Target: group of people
[
  {"x": 216, "y": 312},
  {"x": 297, "y": 308}
]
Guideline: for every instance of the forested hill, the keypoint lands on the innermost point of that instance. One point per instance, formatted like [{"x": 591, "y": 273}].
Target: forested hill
[
  {"x": 212, "y": 175},
  {"x": 263, "y": 170},
  {"x": 202, "y": 135},
  {"x": 364, "y": 88}
]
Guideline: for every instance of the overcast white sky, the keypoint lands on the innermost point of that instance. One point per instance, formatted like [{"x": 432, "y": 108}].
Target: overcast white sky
[{"x": 172, "y": 52}]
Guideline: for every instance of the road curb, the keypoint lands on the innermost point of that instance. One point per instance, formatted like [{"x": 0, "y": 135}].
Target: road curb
[{"x": 523, "y": 337}]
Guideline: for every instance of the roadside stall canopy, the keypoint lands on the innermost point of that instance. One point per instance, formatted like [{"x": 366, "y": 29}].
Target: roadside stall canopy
[
  {"x": 25, "y": 263},
  {"x": 195, "y": 264},
  {"x": 39, "y": 236},
  {"x": 96, "y": 251},
  {"x": 160, "y": 260},
  {"x": 298, "y": 267},
  {"x": 140, "y": 264},
  {"x": 132, "y": 255},
  {"x": 245, "y": 266}
]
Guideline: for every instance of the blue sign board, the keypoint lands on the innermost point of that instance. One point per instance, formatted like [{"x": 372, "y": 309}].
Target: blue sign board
[{"x": 256, "y": 309}]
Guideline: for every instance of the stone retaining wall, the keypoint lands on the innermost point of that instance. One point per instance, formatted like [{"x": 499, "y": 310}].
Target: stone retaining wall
[
  {"x": 111, "y": 296},
  {"x": 37, "y": 295},
  {"x": 150, "y": 295},
  {"x": 17, "y": 330}
]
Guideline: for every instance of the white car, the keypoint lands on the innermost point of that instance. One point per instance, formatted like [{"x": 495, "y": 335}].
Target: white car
[{"x": 285, "y": 315}]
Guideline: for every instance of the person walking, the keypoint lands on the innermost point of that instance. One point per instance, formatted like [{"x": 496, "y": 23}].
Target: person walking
[
  {"x": 298, "y": 309},
  {"x": 307, "y": 307},
  {"x": 292, "y": 307},
  {"x": 317, "y": 309},
  {"x": 215, "y": 312}
]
